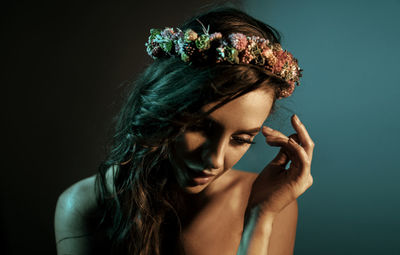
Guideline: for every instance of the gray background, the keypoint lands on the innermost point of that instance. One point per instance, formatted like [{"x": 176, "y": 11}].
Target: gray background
[{"x": 62, "y": 63}]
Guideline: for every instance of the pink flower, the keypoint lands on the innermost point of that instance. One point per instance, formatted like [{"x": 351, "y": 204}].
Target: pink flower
[
  {"x": 281, "y": 60},
  {"x": 237, "y": 48},
  {"x": 168, "y": 33},
  {"x": 246, "y": 57},
  {"x": 238, "y": 41},
  {"x": 288, "y": 91},
  {"x": 190, "y": 35},
  {"x": 215, "y": 36},
  {"x": 267, "y": 52}
]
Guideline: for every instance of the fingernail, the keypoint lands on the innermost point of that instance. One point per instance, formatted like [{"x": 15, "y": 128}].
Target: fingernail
[
  {"x": 268, "y": 128},
  {"x": 296, "y": 118}
]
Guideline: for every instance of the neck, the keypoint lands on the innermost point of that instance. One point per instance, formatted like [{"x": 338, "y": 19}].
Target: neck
[{"x": 188, "y": 204}]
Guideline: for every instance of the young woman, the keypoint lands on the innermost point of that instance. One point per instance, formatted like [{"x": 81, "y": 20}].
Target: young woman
[{"x": 167, "y": 185}]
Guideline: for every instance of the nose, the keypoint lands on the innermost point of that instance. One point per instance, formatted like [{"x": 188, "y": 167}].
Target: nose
[{"x": 214, "y": 154}]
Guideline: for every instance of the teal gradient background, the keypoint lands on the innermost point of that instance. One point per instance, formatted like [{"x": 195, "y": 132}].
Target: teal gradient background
[
  {"x": 63, "y": 63},
  {"x": 349, "y": 102}
]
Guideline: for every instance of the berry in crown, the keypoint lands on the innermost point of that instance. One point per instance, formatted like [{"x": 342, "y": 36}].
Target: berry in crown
[{"x": 238, "y": 48}]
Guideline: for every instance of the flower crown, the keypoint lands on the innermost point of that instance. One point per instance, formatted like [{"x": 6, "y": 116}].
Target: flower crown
[{"x": 238, "y": 48}]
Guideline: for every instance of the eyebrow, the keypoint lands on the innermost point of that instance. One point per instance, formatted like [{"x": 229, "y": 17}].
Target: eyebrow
[{"x": 250, "y": 131}]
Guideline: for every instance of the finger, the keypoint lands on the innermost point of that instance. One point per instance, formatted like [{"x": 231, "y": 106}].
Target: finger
[
  {"x": 295, "y": 137},
  {"x": 304, "y": 137},
  {"x": 304, "y": 162},
  {"x": 282, "y": 158},
  {"x": 287, "y": 151},
  {"x": 297, "y": 154},
  {"x": 267, "y": 131}
]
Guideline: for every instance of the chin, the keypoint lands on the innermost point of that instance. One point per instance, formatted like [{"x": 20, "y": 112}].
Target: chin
[{"x": 194, "y": 189}]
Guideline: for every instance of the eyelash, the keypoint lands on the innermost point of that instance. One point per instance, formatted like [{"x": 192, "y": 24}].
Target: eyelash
[
  {"x": 238, "y": 140},
  {"x": 243, "y": 141}
]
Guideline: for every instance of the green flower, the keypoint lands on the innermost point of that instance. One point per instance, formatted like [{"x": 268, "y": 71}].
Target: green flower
[
  {"x": 231, "y": 55},
  {"x": 166, "y": 45},
  {"x": 154, "y": 32},
  {"x": 203, "y": 42},
  {"x": 155, "y": 38},
  {"x": 257, "y": 54},
  {"x": 185, "y": 57}
]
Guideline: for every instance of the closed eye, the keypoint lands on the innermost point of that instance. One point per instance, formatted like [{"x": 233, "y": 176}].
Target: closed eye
[
  {"x": 242, "y": 141},
  {"x": 206, "y": 126}
]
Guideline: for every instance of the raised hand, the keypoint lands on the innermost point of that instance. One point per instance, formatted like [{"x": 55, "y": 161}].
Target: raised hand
[{"x": 275, "y": 187}]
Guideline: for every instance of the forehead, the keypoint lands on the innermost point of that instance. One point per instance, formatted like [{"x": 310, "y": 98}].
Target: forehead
[{"x": 247, "y": 111}]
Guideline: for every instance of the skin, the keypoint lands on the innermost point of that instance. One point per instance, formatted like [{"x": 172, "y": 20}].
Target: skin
[
  {"x": 217, "y": 148},
  {"x": 216, "y": 152},
  {"x": 213, "y": 221},
  {"x": 275, "y": 187}
]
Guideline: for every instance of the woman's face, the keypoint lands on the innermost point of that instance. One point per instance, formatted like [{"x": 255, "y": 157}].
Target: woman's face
[{"x": 205, "y": 152}]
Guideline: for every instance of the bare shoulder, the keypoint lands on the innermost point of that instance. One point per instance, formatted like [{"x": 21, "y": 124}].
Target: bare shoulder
[
  {"x": 242, "y": 180},
  {"x": 237, "y": 188},
  {"x": 70, "y": 221},
  {"x": 78, "y": 198},
  {"x": 76, "y": 217},
  {"x": 244, "y": 173},
  {"x": 244, "y": 177}
]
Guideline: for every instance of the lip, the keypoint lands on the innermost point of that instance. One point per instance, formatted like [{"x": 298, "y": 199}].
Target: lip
[
  {"x": 200, "y": 174},
  {"x": 203, "y": 174},
  {"x": 200, "y": 177}
]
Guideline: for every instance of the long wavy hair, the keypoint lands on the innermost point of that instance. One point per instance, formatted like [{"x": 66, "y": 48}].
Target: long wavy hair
[{"x": 135, "y": 183}]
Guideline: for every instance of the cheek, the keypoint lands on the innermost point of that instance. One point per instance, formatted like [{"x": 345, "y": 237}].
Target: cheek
[{"x": 190, "y": 142}]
